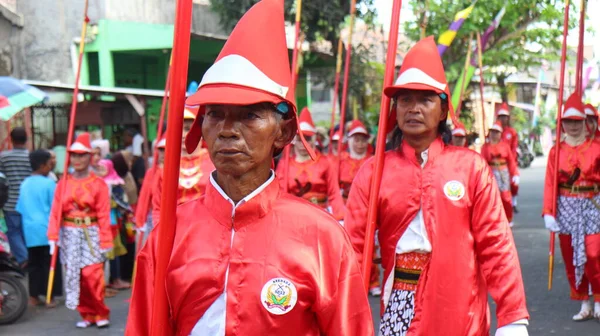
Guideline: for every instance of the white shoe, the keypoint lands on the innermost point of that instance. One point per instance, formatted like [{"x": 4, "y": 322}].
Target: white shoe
[
  {"x": 375, "y": 291},
  {"x": 83, "y": 324},
  {"x": 511, "y": 224},
  {"x": 585, "y": 313},
  {"x": 102, "y": 323},
  {"x": 597, "y": 311}
]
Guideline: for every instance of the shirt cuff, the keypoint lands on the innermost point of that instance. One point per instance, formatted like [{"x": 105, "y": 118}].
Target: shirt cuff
[{"x": 517, "y": 328}]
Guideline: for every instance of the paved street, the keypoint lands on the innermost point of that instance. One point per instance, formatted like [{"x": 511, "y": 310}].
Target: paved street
[{"x": 550, "y": 311}]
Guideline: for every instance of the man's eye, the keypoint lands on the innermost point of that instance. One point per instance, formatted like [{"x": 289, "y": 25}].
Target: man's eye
[{"x": 251, "y": 115}]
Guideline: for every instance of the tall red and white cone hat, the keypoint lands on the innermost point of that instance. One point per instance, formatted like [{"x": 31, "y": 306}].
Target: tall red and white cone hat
[
  {"x": 422, "y": 69},
  {"x": 357, "y": 127},
  {"x": 497, "y": 126},
  {"x": 253, "y": 67},
  {"x": 590, "y": 110},
  {"x": 504, "y": 110},
  {"x": 459, "y": 130},
  {"x": 82, "y": 144},
  {"x": 190, "y": 113},
  {"x": 306, "y": 125},
  {"x": 162, "y": 143},
  {"x": 574, "y": 108}
]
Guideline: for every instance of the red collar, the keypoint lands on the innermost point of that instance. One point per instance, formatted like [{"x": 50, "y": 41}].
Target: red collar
[
  {"x": 434, "y": 150},
  {"x": 248, "y": 212}
]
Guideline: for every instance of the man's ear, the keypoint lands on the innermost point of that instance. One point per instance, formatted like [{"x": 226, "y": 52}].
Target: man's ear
[
  {"x": 286, "y": 133},
  {"x": 445, "y": 109}
]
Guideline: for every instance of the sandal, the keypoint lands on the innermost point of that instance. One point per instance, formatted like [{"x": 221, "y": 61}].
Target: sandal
[
  {"x": 583, "y": 315},
  {"x": 52, "y": 304},
  {"x": 110, "y": 292}
]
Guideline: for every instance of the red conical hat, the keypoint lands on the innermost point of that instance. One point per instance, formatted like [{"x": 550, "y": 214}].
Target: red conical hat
[
  {"x": 306, "y": 125},
  {"x": 162, "y": 143},
  {"x": 253, "y": 67},
  {"x": 82, "y": 144},
  {"x": 190, "y": 113},
  {"x": 504, "y": 110},
  {"x": 357, "y": 127},
  {"x": 422, "y": 69},
  {"x": 590, "y": 110},
  {"x": 497, "y": 127},
  {"x": 336, "y": 136},
  {"x": 459, "y": 130},
  {"x": 574, "y": 108}
]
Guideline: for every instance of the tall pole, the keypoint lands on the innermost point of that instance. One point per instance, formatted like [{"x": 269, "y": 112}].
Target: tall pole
[
  {"x": 380, "y": 149},
  {"x": 479, "y": 56},
  {"x": 72, "y": 116},
  {"x": 561, "y": 92},
  {"x": 336, "y": 87},
  {"x": 286, "y": 156},
  {"x": 166, "y": 231},
  {"x": 579, "y": 64},
  {"x": 346, "y": 75}
]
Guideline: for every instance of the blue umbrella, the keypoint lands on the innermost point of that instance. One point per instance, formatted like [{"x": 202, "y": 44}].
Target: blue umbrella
[{"x": 16, "y": 95}]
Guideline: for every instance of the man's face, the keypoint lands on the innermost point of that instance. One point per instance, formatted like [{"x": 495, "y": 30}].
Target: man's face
[
  {"x": 187, "y": 126},
  {"x": 419, "y": 112},
  {"x": 503, "y": 120},
  {"x": 80, "y": 162},
  {"x": 459, "y": 140},
  {"x": 299, "y": 146},
  {"x": 359, "y": 143},
  {"x": 495, "y": 136},
  {"x": 573, "y": 128},
  {"x": 242, "y": 139},
  {"x": 96, "y": 156},
  {"x": 127, "y": 139}
]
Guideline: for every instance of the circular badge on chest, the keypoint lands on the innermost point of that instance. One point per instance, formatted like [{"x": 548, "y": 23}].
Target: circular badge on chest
[
  {"x": 279, "y": 296},
  {"x": 454, "y": 190}
]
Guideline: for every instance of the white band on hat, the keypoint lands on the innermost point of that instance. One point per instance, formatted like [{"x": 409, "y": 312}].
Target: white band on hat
[
  {"x": 187, "y": 114},
  {"x": 573, "y": 112},
  {"x": 497, "y": 128},
  {"x": 306, "y": 127},
  {"x": 503, "y": 112},
  {"x": 418, "y": 76},
  {"x": 161, "y": 143},
  {"x": 79, "y": 147},
  {"x": 590, "y": 112},
  {"x": 237, "y": 70},
  {"x": 459, "y": 131},
  {"x": 358, "y": 130},
  {"x": 336, "y": 137}
]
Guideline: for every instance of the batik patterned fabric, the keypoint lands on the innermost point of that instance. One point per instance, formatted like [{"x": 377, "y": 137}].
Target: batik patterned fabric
[
  {"x": 76, "y": 255},
  {"x": 502, "y": 178},
  {"x": 398, "y": 313},
  {"x": 578, "y": 217}
]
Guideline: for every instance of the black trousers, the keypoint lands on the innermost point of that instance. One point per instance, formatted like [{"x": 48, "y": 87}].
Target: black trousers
[{"x": 38, "y": 268}]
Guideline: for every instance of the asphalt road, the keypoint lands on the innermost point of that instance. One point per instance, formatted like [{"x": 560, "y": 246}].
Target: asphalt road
[{"x": 550, "y": 311}]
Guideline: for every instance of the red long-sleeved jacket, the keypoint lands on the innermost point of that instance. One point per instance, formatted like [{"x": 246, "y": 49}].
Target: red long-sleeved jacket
[
  {"x": 500, "y": 154},
  {"x": 473, "y": 252}
]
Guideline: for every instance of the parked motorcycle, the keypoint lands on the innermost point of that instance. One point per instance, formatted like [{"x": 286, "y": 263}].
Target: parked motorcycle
[
  {"x": 524, "y": 155},
  {"x": 13, "y": 294}
]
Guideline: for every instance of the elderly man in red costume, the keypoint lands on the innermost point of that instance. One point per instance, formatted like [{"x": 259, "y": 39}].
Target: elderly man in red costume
[
  {"x": 504, "y": 166},
  {"x": 510, "y": 136},
  {"x": 445, "y": 241},
  {"x": 315, "y": 181},
  {"x": 248, "y": 259},
  {"x": 194, "y": 171},
  {"x": 577, "y": 218},
  {"x": 459, "y": 136},
  {"x": 592, "y": 121},
  {"x": 80, "y": 221}
]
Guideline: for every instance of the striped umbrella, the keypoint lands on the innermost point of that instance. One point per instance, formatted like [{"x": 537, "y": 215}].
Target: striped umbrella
[{"x": 16, "y": 95}]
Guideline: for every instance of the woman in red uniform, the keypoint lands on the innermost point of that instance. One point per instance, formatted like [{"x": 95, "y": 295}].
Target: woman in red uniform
[
  {"x": 80, "y": 221},
  {"x": 592, "y": 121},
  {"x": 459, "y": 136},
  {"x": 248, "y": 259},
  {"x": 194, "y": 171},
  {"x": 504, "y": 167},
  {"x": 315, "y": 181},
  {"x": 577, "y": 213},
  {"x": 445, "y": 242}
]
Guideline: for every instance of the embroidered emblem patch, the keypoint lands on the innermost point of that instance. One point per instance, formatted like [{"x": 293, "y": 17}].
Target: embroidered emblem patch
[
  {"x": 279, "y": 296},
  {"x": 454, "y": 190}
]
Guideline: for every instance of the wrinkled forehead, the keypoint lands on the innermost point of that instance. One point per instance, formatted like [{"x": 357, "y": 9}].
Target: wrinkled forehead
[
  {"x": 415, "y": 93},
  {"x": 235, "y": 109}
]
